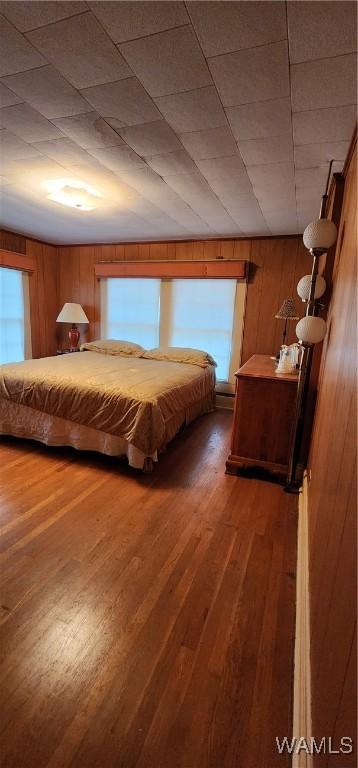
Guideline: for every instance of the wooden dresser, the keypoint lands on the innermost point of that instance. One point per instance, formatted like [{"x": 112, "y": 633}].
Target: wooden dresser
[{"x": 263, "y": 417}]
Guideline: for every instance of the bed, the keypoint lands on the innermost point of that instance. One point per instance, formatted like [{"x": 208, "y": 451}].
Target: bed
[{"x": 128, "y": 405}]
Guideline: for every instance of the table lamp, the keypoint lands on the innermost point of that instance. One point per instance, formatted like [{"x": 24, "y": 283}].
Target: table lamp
[
  {"x": 72, "y": 313},
  {"x": 286, "y": 312}
]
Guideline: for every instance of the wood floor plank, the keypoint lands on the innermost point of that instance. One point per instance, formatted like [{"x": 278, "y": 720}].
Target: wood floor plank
[{"x": 146, "y": 621}]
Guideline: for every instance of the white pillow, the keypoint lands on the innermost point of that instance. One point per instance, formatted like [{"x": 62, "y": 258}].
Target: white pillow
[
  {"x": 114, "y": 347},
  {"x": 181, "y": 355}
]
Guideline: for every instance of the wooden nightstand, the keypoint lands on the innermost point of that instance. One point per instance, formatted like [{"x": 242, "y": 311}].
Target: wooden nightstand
[{"x": 263, "y": 417}]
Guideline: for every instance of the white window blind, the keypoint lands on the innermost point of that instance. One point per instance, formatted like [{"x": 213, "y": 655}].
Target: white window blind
[
  {"x": 15, "y": 343},
  {"x": 130, "y": 310},
  {"x": 207, "y": 314},
  {"x": 202, "y": 316}
]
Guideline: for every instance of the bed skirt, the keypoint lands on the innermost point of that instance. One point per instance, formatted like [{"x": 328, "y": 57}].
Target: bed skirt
[{"x": 27, "y": 423}]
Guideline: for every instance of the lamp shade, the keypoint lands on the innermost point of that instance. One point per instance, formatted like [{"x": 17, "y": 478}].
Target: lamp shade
[
  {"x": 311, "y": 329},
  {"x": 287, "y": 311},
  {"x": 304, "y": 286},
  {"x": 72, "y": 313},
  {"x": 320, "y": 234}
]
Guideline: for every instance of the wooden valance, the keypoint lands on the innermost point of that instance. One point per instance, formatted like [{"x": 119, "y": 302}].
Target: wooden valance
[
  {"x": 219, "y": 268},
  {"x": 13, "y": 260}
]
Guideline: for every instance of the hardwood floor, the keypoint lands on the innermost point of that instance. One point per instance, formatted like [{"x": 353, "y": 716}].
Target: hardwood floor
[{"x": 146, "y": 621}]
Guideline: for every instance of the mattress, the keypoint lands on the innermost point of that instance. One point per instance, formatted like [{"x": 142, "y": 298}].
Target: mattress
[{"x": 118, "y": 405}]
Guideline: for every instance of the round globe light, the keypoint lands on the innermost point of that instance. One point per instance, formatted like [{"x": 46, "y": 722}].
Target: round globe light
[
  {"x": 311, "y": 329},
  {"x": 320, "y": 235},
  {"x": 304, "y": 285}
]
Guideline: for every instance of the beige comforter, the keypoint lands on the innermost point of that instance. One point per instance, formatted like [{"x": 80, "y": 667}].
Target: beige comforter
[{"x": 129, "y": 397}]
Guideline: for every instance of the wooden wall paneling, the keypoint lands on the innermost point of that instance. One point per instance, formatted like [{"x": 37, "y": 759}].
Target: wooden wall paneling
[
  {"x": 332, "y": 499},
  {"x": 212, "y": 249},
  {"x": 242, "y": 249},
  {"x": 273, "y": 257},
  {"x": 253, "y": 300},
  {"x": 158, "y": 251},
  {"x": 12, "y": 241},
  {"x": 43, "y": 298},
  {"x": 346, "y": 722},
  {"x": 276, "y": 265},
  {"x": 227, "y": 249}
]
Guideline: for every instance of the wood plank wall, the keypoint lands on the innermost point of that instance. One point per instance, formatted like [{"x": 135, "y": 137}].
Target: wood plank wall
[
  {"x": 66, "y": 273},
  {"x": 43, "y": 290},
  {"x": 276, "y": 265},
  {"x": 332, "y": 502}
]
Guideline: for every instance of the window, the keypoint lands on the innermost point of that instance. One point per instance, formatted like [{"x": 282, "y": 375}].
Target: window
[
  {"x": 131, "y": 310},
  {"x": 202, "y": 313},
  {"x": 14, "y": 341}
]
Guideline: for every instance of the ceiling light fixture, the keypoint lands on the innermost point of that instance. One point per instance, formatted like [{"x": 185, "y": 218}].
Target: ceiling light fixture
[{"x": 73, "y": 193}]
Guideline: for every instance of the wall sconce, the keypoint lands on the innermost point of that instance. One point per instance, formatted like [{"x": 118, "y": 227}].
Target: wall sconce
[
  {"x": 311, "y": 329},
  {"x": 318, "y": 236},
  {"x": 304, "y": 287}
]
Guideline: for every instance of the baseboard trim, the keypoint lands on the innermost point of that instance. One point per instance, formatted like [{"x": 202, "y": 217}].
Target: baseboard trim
[
  {"x": 302, "y": 722},
  {"x": 225, "y": 401}
]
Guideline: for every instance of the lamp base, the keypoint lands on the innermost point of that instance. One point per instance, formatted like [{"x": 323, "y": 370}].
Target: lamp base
[{"x": 74, "y": 337}]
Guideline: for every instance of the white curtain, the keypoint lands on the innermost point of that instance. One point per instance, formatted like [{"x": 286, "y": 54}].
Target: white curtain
[{"x": 15, "y": 336}]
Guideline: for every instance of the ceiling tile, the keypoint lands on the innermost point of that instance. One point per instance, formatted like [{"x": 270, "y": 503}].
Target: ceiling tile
[
  {"x": 248, "y": 217},
  {"x": 30, "y": 15},
  {"x": 7, "y": 98},
  {"x": 151, "y": 139},
  {"x": 231, "y": 26},
  {"x": 271, "y": 150},
  {"x": 318, "y": 125},
  {"x": 324, "y": 83},
  {"x": 229, "y": 189},
  {"x": 214, "y": 142},
  {"x": 317, "y": 29},
  {"x": 252, "y": 75},
  {"x": 172, "y": 162},
  {"x": 310, "y": 155},
  {"x": 25, "y": 122},
  {"x": 221, "y": 167},
  {"x": 195, "y": 191},
  {"x": 193, "y": 110},
  {"x": 39, "y": 169},
  {"x": 16, "y": 53},
  {"x": 81, "y": 50},
  {"x": 245, "y": 211},
  {"x": 281, "y": 197},
  {"x": 169, "y": 62},
  {"x": 312, "y": 179},
  {"x": 261, "y": 119},
  {"x": 13, "y": 148},
  {"x": 127, "y": 21},
  {"x": 89, "y": 131},
  {"x": 277, "y": 188},
  {"x": 63, "y": 151},
  {"x": 118, "y": 158},
  {"x": 271, "y": 175},
  {"x": 47, "y": 91},
  {"x": 149, "y": 184},
  {"x": 125, "y": 102}
]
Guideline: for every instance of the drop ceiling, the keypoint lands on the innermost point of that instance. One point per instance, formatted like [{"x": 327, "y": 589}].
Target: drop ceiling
[{"x": 196, "y": 119}]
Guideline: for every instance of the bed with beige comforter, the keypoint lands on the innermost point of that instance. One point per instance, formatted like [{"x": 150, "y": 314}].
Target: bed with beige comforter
[{"x": 119, "y": 405}]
